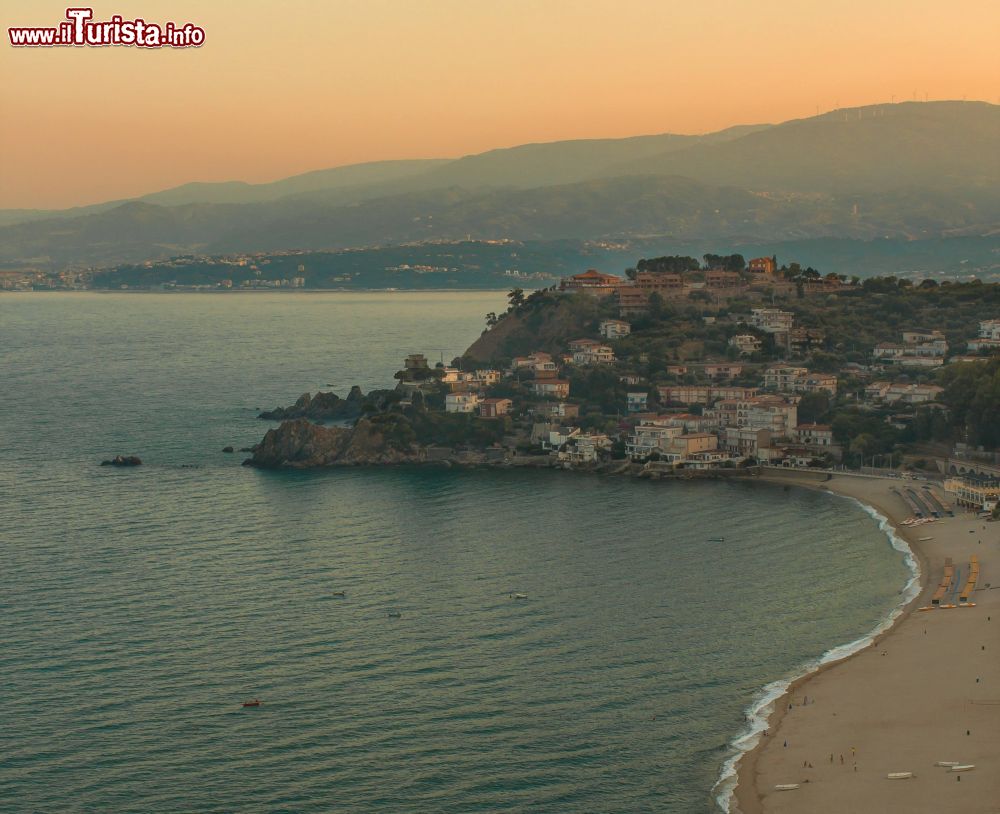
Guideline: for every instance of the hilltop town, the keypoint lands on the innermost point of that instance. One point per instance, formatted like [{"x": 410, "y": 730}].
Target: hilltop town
[{"x": 681, "y": 366}]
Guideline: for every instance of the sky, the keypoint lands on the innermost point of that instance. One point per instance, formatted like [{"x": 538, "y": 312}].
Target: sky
[{"x": 280, "y": 88}]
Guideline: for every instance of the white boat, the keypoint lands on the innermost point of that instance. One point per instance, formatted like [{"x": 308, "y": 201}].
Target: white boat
[
  {"x": 968, "y": 767},
  {"x": 520, "y": 596},
  {"x": 947, "y": 763},
  {"x": 786, "y": 787},
  {"x": 899, "y": 775}
]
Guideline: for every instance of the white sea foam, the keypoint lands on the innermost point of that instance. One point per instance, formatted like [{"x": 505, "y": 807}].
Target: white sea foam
[{"x": 762, "y": 705}]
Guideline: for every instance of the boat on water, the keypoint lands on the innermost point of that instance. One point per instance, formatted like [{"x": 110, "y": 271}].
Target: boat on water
[
  {"x": 716, "y": 539},
  {"x": 520, "y": 596},
  {"x": 394, "y": 614},
  {"x": 339, "y": 594},
  {"x": 254, "y": 703}
]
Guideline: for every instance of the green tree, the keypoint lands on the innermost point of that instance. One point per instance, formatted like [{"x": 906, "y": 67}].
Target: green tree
[{"x": 813, "y": 407}]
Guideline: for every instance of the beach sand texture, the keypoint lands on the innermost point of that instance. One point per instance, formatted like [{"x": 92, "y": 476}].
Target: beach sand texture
[{"x": 928, "y": 690}]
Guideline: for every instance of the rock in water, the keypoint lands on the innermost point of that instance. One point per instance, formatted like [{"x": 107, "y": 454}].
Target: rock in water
[
  {"x": 123, "y": 460},
  {"x": 228, "y": 449}
]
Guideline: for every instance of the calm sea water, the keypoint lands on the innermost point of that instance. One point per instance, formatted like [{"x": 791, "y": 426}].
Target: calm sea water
[{"x": 140, "y": 607}]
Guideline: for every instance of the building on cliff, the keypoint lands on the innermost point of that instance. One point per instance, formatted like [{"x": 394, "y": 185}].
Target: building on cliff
[{"x": 592, "y": 282}]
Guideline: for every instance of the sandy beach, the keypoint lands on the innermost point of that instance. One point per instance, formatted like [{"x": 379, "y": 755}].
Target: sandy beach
[{"x": 927, "y": 690}]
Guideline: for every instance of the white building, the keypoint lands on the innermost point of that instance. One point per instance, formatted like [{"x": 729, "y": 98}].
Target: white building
[
  {"x": 912, "y": 393},
  {"x": 772, "y": 320},
  {"x": 594, "y": 355},
  {"x": 784, "y": 377},
  {"x": 746, "y": 344},
  {"x": 774, "y": 413},
  {"x": 647, "y": 438},
  {"x": 615, "y": 328},
  {"x": 814, "y": 435},
  {"x": 560, "y": 436},
  {"x": 586, "y": 448},
  {"x": 636, "y": 402},
  {"x": 988, "y": 339},
  {"x": 919, "y": 348},
  {"x": 789, "y": 379},
  {"x": 980, "y": 344},
  {"x": 744, "y": 441},
  {"x": 461, "y": 402},
  {"x": 989, "y": 329}
]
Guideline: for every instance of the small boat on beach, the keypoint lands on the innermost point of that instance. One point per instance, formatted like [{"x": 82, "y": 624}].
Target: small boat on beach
[
  {"x": 786, "y": 787},
  {"x": 947, "y": 763},
  {"x": 899, "y": 775},
  {"x": 968, "y": 767}
]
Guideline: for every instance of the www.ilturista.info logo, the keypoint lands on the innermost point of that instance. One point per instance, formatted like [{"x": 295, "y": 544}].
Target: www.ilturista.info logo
[{"x": 79, "y": 29}]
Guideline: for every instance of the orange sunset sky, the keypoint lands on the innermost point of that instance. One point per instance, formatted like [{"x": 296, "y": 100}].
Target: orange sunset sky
[{"x": 286, "y": 87}]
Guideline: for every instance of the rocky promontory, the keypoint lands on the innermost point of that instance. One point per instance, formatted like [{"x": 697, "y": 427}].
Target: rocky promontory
[
  {"x": 300, "y": 444},
  {"x": 327, "y": 406}
]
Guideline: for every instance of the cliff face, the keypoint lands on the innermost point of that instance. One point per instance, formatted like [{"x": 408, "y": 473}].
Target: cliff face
[
  {"x": 300, "y": 444},
  {"x": 545, "y": 326}
]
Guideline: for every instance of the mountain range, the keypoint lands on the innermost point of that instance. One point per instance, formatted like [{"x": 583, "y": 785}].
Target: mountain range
[{"x": 911, "y": 170}]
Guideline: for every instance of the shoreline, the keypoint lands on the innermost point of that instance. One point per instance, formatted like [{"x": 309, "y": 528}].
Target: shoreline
[
  {"x": 767, "y": 710},
  {"x": 842, "y": 679}
]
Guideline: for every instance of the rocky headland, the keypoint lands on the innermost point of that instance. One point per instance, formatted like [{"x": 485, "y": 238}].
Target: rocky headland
[
  {"x": 387, "y": 441},
  {"x": 301, "y": 444},
  {"x": 327, "y": 407}
]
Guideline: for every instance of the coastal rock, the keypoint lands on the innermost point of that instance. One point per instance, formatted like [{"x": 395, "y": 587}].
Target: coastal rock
[
  {"x": 300, "y": 444},
  {"x": 123, "y": 460},
  {"x": 328, "y": 406}
]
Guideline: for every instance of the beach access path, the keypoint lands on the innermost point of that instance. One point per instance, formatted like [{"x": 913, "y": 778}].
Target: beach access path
[{"x": 928, "y": 690}]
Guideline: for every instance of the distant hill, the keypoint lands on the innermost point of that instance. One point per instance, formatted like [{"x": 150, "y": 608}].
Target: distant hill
[
  {"x": 909, "y": 171},
  {"x": 354, "y": 178},
  {"x": 937, "y": 145},
  {"x": 351, "y": 183},
  {"x": 564, "y": 162}
]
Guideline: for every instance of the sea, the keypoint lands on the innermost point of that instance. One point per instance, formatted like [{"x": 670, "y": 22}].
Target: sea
[{"x": 371, "y": 611}]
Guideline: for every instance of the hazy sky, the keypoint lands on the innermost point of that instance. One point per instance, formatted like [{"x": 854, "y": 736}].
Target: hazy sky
[{"x": 285, "y": 87}]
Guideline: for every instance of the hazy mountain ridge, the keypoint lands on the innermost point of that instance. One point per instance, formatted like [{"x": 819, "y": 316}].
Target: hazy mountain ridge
[
  {"x": 935, "y": 144},
  {"x": 913, "y": 170}
]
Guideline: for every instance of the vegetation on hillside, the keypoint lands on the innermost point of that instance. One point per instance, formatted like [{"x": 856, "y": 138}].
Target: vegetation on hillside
[{"x": 847, "y": 326}]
